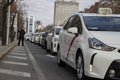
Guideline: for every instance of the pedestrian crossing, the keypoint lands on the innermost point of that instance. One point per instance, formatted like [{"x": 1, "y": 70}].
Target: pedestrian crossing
[
  {"x": 15, "y": 63},
  {"x": 17, "y": 58},
  {"x": 18, "y": 54},
  {"x": 15, "y": 73}
]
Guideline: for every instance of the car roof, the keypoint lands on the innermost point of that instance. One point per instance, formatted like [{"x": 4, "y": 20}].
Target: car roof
[{"x": 95, "y": 14}]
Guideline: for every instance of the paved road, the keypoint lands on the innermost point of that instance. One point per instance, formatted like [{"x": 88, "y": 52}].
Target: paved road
[
  {"x": 47, "y": 63},
  {"x": 16, "y": 65},
  {"x": 33, "y": 63}
]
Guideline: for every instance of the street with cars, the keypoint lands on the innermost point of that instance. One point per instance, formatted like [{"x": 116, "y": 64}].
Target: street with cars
[
  {"x": 86, "y": 47},
  {"x": 81, "y": 45},
  {"x": 60, "y": 40}
]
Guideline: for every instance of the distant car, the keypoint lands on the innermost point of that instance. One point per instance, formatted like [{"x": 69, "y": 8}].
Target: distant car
[
  {"x": 36, "y": 38},
  {"x": 33, "y": 37},
  {"x": 40, "y": 38},
  {"x": 28, "y": 37},
  {"x": 44, "y": 41},
  {"x": 52, "y": 39}
]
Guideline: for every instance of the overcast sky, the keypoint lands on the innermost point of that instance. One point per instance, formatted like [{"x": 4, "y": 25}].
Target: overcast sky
[{"x": 43, "y": 10}]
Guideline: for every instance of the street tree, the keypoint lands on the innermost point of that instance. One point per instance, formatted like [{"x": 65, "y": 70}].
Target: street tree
[
  {"x": 4, "y": 24},
  {"x": 17, "y": 11}
]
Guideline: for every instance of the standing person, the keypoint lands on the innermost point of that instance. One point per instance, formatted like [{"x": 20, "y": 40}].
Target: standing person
[{"x": 21, "y": 37}]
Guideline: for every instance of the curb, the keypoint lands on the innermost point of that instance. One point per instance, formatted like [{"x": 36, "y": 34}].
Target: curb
[{"x": 7, "y": 48}]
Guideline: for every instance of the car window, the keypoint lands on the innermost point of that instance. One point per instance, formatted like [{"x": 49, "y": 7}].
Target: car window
[
  {"x": 78, "y": 24},
  {"x": 57, "y": 31},
  {"x": 74, "y": 21},
  {"x": 67, "y": 25},
  {"x": 98, "y": 23}
]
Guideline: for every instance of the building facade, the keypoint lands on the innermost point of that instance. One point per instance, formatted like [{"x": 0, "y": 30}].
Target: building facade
[
  {"x": 38, "y": 26},
  {"x": 113, "y": 4},
  {"x": 63, "y": 10},
  {"x": 30, "y": 25}
]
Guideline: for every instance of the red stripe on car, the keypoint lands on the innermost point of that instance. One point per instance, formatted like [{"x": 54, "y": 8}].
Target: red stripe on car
[{"x": 71, "y": 46}]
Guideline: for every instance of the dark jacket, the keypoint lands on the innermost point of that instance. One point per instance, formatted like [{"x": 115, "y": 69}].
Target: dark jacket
[{"x": 21, "y": 33}]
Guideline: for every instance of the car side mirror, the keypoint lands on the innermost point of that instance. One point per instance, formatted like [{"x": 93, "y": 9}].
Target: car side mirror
[{"x": 73, "y": 30}]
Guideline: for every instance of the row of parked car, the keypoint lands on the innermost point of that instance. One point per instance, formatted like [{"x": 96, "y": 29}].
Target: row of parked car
[
  {"x": 88, "y": 42},
  {"x": 47, "y": 40}
]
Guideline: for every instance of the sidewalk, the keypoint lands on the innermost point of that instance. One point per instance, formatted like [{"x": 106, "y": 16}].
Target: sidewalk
[{"x": 7, "y": 48}]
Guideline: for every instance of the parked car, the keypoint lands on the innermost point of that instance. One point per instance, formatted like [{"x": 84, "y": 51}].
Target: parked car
[
  {"x": 28, "y": 37},
  {"x": 36, "y": 38},
  {"x": 33, "y": 37},
  {"x": 90, "y": 43},
  {"x": 44, "y": 41},
  {"x": 52, "y": 39},
  {"x": 40, "y": 38}
]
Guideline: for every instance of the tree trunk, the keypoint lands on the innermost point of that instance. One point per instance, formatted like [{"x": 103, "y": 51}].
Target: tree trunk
[
  {"x": 4, "y": 25},
  {"x": 12, "y": 34}
]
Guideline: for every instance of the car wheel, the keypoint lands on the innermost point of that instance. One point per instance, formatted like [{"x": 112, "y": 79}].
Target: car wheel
[
  {"x": 59, "y": 61},
  {"x": 80, "y": 67}
]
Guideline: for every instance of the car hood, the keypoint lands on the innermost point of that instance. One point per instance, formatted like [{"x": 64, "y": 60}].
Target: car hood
[{"x": 107, "y": 37}]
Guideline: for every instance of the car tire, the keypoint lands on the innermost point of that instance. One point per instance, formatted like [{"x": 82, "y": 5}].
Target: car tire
[
  {"x": 80, "y": 67},
  {"x": 59, "y": 61}
]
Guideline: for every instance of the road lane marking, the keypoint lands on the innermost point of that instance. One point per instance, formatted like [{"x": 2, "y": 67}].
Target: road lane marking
[
  {"x": 17, "y": 57},
  {"x": 41, "y": 75},
  {"x": 15, "y": 63},
  {"x": 18, "y": 51},
  {"x": 19, "y": 54},
  {"x": 15, "y": 73},
  {"x": 50, "y": 56}
]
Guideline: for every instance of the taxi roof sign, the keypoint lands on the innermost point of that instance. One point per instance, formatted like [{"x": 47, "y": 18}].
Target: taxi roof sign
[{"x": 104, "y": 11}]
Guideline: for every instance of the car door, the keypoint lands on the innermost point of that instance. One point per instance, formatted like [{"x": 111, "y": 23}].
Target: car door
[
  {"x": 75, "y": 39},
  {"x": 67, "y": 38},
  {"x": 72, "y": 37}
]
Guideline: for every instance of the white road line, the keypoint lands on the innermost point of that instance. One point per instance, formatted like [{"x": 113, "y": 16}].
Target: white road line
[
  {"x": 15, "y": 63},
  {"x": 19, "y": 51},
  {"x": 50, "y": 56},
  {"x": 15, "y": 73},
  {"x": 19, "y": 54},
  {"x": 17, "y": 57}
]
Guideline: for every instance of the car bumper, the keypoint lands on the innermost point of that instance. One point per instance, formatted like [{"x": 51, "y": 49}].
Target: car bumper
[
  {"x": 103, "y": 63},
  {"x": 114, "y": 70}
]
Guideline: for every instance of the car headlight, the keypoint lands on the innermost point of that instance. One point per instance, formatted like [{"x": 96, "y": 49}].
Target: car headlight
[{"x": 98, "y": 45}]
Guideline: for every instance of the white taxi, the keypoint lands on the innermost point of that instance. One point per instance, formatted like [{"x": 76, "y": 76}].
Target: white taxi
[
  {"x": 90, "y": 43},
  {"x": 52, "y": 39}
]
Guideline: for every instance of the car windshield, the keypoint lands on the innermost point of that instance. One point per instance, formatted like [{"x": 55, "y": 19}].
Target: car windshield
[
  {"x": 98, "y": 23},
  {"x": 57, "y": 31}
]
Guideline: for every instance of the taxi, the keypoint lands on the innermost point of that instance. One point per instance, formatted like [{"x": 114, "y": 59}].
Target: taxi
[
  {"x": 90, "y": 43},
  {"x": 52, "y": 39}
]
